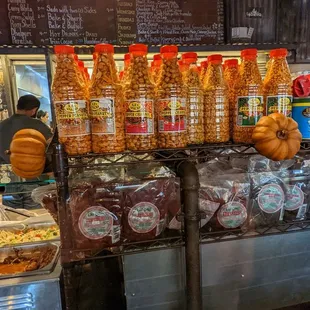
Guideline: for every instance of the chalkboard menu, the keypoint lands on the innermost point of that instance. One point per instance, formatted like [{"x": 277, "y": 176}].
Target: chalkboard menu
[
  {"x": 179, "y": 22},
  {"x": 4, "y": 27},
  {"x": 77, "y": 22}
]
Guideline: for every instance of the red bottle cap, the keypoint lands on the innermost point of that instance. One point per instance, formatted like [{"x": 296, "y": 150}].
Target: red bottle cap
[
  {"x": 169, "y": 51},
  {"x": 138, "y": 49},
  {"x": 250, "y": 53},
  {"x": 189, "y": 58},
  {"x": 63, "y": 49},
  {"x": 157, "y": 57},
  {"x": 279, "y": 52},
  {"x": 204, "y": 64},
  {"x": 216, "y": 59},
  {"x": 231, "y": 63},
  {"x": 104, "y": 48}
]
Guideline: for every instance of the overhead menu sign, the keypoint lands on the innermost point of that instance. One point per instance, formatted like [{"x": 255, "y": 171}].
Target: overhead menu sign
[{"x": 50, "y": 22}]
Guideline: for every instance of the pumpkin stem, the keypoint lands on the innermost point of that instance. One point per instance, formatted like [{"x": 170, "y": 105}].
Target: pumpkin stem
[{"x": 282, "y": 134}]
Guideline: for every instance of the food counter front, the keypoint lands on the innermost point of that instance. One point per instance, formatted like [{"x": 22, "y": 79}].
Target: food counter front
[{"x": 29, "y": 251}]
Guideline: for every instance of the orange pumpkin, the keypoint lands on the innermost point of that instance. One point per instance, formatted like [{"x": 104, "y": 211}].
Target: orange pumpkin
[
  {"x": 277, "y": 137},
  {"x": 27, "y": 153}
]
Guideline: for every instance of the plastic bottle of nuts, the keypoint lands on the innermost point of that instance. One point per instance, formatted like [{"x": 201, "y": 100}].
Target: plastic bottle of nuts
[
  {"x": 140, "y": 120},
  {"x": 70, "y": 102},
  {"x": 216, "y": 105},
  {"x": 231, "y": 75},
  {"x": 277, "y": 86},
  {"x": 249, "y": 107},
  {"x": 204, "y": 67},
  {"x": 155, "y": 69},
  {"x": 124, "y": 78},
  {"x": 106, "y": 103},
  {"x": 172, "y": 101},
  {"x": 195, "y": 120},
  {"x": 183, "y": 67}
]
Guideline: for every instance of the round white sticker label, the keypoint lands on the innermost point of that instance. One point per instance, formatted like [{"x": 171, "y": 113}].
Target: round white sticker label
[
  {"x": 294, "y": 198},
  {"x": 271, "y": 198},
  {"x": 232, "y": 214},
  {"x": 143, "y": 217},
  {"x": 95, "y": 222}
]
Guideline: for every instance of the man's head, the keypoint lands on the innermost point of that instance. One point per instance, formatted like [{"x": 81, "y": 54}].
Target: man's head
[{"x": 28, "y": 105}]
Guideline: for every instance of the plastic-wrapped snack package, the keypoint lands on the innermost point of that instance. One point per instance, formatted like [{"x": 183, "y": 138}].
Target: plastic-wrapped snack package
[
  {"x": 146, "y": 208},
  {"x": 47, "y": 197},
  {"x": 224, "y": 203},
  {"x": 96, "y": 211},
  {"x": 267, "y": 197},
  {"x": 147, "y": 171},
  {"x": 259, "y": 163},
  {"x": 297, "y": 196}
]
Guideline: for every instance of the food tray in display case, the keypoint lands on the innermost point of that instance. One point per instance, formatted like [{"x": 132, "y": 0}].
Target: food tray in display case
[
  {"x": 28, "y": 260},
  {"x": 15, "y": 234}
]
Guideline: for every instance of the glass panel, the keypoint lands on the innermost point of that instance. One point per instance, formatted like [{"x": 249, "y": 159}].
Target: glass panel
[{"x": 32, "y": 79}]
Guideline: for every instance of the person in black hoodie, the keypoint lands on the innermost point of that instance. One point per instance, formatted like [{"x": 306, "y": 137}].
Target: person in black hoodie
[{"x": 24, "y": 118}]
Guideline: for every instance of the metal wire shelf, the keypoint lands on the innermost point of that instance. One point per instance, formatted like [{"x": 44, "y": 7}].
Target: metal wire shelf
[
  {"x": 165, "y": 243},
  {"x": 169, "y": 155},
  {"x": 234, "y": 234}
]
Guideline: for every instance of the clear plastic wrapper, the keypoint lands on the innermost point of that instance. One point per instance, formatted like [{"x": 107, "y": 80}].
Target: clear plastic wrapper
[
  {"x": 47, "y": 197},
  {"x": 223, "y": 199},
  {"x": 96, "y": 214},
  {"x": 267, "y": 199},
  {"x": 297, "y": 196},
  {"x": 146, "y": 208}
]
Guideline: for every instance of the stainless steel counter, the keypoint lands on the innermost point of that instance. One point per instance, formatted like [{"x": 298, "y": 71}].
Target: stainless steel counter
[{"x": 41, "y": 292}]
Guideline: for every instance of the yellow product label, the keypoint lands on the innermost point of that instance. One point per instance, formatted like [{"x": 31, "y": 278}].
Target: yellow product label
[{"x": 135, "y": 106}]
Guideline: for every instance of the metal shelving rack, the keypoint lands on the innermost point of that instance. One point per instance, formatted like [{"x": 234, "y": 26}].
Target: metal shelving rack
[{"x": 183, "y": 160}]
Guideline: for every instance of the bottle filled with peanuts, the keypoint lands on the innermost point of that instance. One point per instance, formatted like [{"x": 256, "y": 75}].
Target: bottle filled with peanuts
[
  {"x": 231, "y": 75},
  {"x": 204, "y": 67},
  {"x": 106, "y": 103},
  {"x": 183, "y": 67},
  {"x": 195, "y": 119},
  {"x": 125, "y": 75},
  {"x": 172, "y": 102},
  {"x": 216, "y": 105},
  {"x": 277, "y": 86},
  {"x": 155, "y": 68},
  {"x": 70, "y": 103},
  {"x": 249, "y": 106},
  {"x": 140, "y": 103}
]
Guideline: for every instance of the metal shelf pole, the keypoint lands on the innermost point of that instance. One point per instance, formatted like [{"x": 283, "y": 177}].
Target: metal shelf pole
[{"x": 190, "y": 185}]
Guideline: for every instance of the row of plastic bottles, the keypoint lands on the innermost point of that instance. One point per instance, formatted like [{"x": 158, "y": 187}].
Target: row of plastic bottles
[{"x": 171, "y": 104}]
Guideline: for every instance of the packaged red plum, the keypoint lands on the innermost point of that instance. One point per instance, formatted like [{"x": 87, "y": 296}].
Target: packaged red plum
[
  {"x": 146, "y": 208},
  {"x": 96, "y": 210}
]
